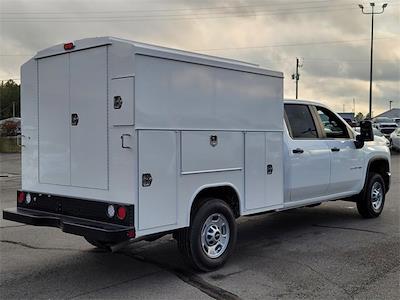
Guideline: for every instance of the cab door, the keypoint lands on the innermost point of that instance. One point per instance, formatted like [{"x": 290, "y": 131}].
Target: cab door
[
  {"x": 308, "y": 156},
  {"x": 347, "y": 162}
]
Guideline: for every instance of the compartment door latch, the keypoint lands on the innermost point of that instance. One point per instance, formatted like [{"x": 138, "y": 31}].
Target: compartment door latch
[
  {"x": 117, "y": 102},
  {"x": 270, "y": 169},
  {"x": 74, "y": 119},
  {"x": 146, "y": 179}
]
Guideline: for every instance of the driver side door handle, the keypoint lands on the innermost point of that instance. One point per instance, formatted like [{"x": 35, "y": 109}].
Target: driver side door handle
[{"x": 298, "y": 150}]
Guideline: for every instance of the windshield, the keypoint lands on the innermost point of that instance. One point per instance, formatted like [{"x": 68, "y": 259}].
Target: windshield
[{"x": 383, "y": 120}]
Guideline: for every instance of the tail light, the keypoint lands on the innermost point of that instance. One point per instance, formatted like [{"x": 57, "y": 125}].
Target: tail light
[
  {"x": 21, "y": 197},
  {"x": 131, "y": 234},
  {"x": 121, "y": 213}
]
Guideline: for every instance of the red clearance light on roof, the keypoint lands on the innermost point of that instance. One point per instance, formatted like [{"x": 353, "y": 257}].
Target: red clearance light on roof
[{"x": 69, "y": 46}]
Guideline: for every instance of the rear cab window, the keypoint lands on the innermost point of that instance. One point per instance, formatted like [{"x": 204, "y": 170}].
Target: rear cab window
[{"x": 300, "y": 121}]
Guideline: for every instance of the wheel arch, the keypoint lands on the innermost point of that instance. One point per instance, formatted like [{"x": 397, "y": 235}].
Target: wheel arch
[
  {"x": 224, "y": 191},
  {"x": 380, "y": 165}
]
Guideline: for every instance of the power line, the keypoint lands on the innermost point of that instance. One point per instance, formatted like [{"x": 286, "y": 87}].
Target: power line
[
  {"x": 191, "y": 16},
  {"x": 163, "y": 10},
  {"x": 293, "y": 45}
]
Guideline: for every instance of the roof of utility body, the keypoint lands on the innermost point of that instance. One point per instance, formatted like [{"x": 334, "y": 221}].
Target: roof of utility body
[{"x": 158, "y": 51}]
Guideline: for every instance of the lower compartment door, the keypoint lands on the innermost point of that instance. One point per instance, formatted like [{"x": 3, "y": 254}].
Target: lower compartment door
[
  {"x": 274, "y": 168},
  {"x": 157, "y": 179},
  {"x": 264, "y": 171}
]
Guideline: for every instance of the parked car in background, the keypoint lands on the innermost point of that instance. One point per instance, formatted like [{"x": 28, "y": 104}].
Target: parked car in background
[
  {"x": 395, "y": 139},
  {"x": 385, "y": 125},
  {"x": 378, "y": 136},
  {"x": 10, "y": 126}
]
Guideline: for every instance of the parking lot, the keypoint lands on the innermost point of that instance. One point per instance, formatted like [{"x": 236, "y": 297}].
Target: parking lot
[{"x": 323, "y": 252}]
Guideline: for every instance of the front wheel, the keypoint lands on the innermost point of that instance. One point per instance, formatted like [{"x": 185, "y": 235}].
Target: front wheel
[
  {"x": 211, "y": 238},
  {"x": 370, "y": 205}
]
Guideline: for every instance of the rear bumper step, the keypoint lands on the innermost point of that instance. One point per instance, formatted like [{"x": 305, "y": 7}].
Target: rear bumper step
[{"x": 95, "y": 230}]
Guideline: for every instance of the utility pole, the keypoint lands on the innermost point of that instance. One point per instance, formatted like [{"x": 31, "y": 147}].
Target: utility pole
[
  {"x": 296, "y": 76},
  {"x": 390, "y": 104},
  {"x": 372, "y": 13},
  {"x": 354, "y": 105}
]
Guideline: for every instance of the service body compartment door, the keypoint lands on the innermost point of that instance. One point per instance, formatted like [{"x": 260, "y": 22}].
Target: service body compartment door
[
  {"x": 88, "y": 94},
  {"x": 54, "y": 120},
  {"x": 157, "y": 196},
  {"x": 263, "y": 171},
  {"x": 255, "y": 169},
  {"x": 122, "y": 101},
  {"x": 274, "y": 161}
]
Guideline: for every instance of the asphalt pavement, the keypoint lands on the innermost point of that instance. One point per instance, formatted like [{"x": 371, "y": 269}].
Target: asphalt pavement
[{"x": 324, "y": 252}]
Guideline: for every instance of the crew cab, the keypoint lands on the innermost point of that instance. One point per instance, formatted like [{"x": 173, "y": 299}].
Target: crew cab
[{"x": 123, "y": 141}]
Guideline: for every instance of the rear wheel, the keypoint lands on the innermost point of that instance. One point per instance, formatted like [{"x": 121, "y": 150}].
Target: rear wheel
[
  {"x": 211, "y": 238},
  {"x": 370, "y": 205}
]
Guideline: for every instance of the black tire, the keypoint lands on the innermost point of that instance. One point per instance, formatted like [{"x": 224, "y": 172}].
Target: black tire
[
  {"x": 99, "y": 244},
  {"x": 367, "y": 205},
  {"x": 190, "y": 239}
]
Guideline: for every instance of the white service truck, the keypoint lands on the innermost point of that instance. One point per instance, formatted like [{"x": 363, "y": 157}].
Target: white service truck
[{"x": 123, "y": 141}]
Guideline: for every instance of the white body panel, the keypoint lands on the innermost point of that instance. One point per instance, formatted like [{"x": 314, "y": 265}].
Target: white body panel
[
  {"x": 54, "y": 120},
  {"x": 157, "y": 205},
  {"x": 347, "y": 167},
  {"x": 172, "y": 95},
  {"x": 88, "y": 98},
  {"x": 173, "y": 103},
  {"x": 263, "y": 149},
  {"x": 309, "y": 172}
]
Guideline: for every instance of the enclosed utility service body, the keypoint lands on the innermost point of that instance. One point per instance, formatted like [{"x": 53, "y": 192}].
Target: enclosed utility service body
[{"x": 123, "y": 140}]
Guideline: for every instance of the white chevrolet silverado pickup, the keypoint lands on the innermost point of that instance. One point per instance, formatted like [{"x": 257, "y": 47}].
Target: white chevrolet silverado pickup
[{"x": 123, "y": 141}]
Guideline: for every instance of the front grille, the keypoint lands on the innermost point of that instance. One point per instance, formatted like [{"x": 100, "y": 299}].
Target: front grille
[{"x": 387, "y": 130}]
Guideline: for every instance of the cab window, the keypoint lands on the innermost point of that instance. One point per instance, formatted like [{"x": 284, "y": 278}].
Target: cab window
[
  {"x": 300, "y": 121},
  {"x": 332, "y": 125}
]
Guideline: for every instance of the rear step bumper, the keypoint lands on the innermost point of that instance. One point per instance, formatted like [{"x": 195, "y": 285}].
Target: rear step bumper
[{"x": 95, "y": 230}]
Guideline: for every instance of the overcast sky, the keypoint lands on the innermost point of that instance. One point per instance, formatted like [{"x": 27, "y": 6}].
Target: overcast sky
[{"x": 332, "y": 38}]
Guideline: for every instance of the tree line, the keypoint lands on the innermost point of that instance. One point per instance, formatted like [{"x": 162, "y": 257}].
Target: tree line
[{"x": 10, "y": 105}]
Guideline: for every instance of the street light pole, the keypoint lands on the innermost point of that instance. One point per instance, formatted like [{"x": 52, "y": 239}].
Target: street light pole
[{"x": 372, "y": 13}]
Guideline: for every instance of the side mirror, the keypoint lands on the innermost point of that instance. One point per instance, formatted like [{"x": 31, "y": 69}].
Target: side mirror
[
  {"x": 366, "y": 134},
  {"x": 366, "y": 131},
  {"x": 359, "y": 142}
]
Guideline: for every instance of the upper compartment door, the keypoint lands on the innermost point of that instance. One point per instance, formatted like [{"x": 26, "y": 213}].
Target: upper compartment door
[
  {"x": 122, "y": 101},
  {"x": 88, "y": 118}
]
